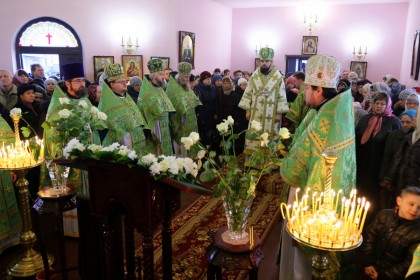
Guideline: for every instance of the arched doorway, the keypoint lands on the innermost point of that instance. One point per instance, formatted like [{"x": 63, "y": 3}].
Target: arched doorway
[{"x": 49, "y": 42}]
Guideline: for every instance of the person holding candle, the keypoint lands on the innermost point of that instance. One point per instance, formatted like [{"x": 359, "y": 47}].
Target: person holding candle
[
  {"x": 392, "y": 238},
  {"x": 329, "y": 126}
]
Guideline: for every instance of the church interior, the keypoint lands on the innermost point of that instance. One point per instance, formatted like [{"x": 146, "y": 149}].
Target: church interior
[{"x": 139, "y": 228}]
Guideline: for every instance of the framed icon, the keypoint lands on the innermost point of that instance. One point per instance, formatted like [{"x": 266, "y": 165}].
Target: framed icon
[
  {"x": 99, "y": 63},
  {"x": 132, "y": 65},
  {"x": 309, "y": 44},
  {"x": 186, "y": 47},
  {"x": 257, "y": 63},
  {"x": 359, "y": 67},
  {"x": 415, "y": 57}
]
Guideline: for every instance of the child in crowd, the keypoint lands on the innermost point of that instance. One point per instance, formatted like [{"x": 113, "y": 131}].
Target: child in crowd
[{"x": 392, "y": 237}]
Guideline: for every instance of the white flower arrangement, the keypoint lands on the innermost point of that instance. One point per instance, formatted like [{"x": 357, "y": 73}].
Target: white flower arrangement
[
  {"x": 183, "y": 169},
  {"x": 237, "y": 181},
  {"x": 74, "y": 120},
  {"x": 16, "y": 112}
]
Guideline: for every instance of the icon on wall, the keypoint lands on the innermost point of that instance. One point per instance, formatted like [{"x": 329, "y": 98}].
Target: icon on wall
[{"x": 186, "y": 47}]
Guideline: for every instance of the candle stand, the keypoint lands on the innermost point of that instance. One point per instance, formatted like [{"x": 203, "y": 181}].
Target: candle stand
[
  {"x": 318, "y": 221},
  {"x": 19, "y": 157},
  {"x": 30, "y": 262}
]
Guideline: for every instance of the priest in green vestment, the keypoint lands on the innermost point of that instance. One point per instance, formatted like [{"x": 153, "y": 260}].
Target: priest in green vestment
[
  {"x": 10, "y": 221},
  {"x": 298, "y": 109},
  {"x": 265, "y": 98},
  {"x": 328, "y": 127},
  {"x": 184, "y": 120},
  {"x": 73, "y": 90},
  {"x": 125, "y": 122},
  {"x": 155, "y": 106}
]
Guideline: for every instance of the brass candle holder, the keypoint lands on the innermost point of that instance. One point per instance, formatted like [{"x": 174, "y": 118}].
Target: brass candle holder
[
  {"x": 317, "y": 221},
  {"x": 19, "y": 158}
]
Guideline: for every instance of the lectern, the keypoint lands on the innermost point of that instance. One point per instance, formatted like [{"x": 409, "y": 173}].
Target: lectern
[{"x": 123, "y": 199}]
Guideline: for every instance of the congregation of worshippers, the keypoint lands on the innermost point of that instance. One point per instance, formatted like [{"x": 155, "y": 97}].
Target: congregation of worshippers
[{"x": 384, "y": 113}]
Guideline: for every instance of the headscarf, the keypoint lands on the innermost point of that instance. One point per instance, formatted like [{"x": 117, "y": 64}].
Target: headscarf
[
  {"x": 17, "y": 80},
  {"x": 416, "y": 133},
  {"x": 375, "y": 122}
]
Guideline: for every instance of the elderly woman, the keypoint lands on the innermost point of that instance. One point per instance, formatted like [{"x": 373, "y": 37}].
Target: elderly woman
[
  {"x": 367, "y": 97},
  {"x": 94, "y": 94},
  {"x": 371, "y": 134},
  {"x": 50, "y": 84},
  {"x": 412, "y": 102}
]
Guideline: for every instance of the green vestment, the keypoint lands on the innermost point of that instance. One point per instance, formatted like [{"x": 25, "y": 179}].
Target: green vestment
[
  {"x": 10, "y": 221},
  {"x": 298, "y": 109},
  {"x": 264, "y": 97},
  {"x": 155, "y": 105},
  {"x": 184, "y": 120},
  {"x": 329, "y": 129},
  {"x": 124, "y": 118}
]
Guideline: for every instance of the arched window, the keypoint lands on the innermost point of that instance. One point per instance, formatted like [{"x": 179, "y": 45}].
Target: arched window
[{"x": 49, "y": 42}]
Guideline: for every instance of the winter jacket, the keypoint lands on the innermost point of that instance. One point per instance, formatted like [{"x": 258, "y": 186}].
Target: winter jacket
[{"x": 389, "y": 244}]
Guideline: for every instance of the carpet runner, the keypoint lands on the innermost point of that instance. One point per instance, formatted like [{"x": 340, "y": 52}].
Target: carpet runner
[{"x": 192, "y": 232}]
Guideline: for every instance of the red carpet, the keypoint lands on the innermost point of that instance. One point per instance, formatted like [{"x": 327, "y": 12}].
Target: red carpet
[{"x": 192, "y": 231}]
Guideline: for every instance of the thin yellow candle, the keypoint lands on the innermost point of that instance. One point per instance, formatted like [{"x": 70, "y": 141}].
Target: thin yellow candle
[
  {"x": 297, "y": 197},
  {"x": 364, "y": 217}
]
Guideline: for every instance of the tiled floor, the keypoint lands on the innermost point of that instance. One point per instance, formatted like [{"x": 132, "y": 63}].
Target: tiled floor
[{"x": 268, "y": 268}]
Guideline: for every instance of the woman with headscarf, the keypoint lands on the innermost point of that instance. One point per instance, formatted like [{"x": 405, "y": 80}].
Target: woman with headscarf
[
  {"x": 405, "y": 170},
  {"x": 20, "y": 77},
  {"x": 371, "y": 134},
  {"x": 393, "y": 143}
]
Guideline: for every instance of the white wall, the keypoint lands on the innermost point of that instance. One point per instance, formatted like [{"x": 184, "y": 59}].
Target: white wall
[
  {"x": 100, "y": 25},
  {"x": 413, "y": 24}
]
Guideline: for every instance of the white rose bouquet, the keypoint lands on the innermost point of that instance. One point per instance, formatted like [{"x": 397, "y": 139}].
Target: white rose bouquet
[
  {"x": 182, "y": 169},
  {"x": 75, "y": 120},
  {"x": 236, "y": 180}
]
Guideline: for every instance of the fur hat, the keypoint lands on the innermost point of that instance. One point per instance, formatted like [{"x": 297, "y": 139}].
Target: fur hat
[
  {"x": 25, "y": 87},
  {"x": 48, "y": 81},
  {"x": 322, "y": 71},
  {"x": 204, "y": 75}
]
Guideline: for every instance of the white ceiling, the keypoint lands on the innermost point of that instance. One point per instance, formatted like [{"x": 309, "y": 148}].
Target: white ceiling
[{"x": 282, "y": 3}]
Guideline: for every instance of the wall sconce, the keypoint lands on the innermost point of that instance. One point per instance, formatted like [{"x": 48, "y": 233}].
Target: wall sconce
[
  {"x": 257, "y": 50},
  {"x": 128, "y": 47},
  {"x": 359, "y": 55},
  {"x": 310, "y": 21}
]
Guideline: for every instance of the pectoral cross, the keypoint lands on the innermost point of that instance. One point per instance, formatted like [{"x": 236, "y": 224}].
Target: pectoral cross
[{"x": 49, "y": 38}]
